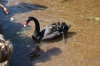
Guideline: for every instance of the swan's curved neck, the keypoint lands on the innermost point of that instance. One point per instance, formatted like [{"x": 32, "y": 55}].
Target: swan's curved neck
[{"x": 37, "y": 25}]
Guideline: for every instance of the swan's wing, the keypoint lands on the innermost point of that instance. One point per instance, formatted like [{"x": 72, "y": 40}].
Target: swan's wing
[
  {"x": 48, "y": 30},
  {"x": 52, "y": 35}
]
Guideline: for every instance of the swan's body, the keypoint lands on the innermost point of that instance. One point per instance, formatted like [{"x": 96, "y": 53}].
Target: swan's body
[{"x": 50, "y": 31}]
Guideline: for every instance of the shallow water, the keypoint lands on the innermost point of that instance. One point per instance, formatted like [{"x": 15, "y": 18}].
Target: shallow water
[{"x": 82, "y": 40}]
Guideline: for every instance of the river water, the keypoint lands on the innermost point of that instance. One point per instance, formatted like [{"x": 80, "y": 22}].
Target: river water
[{"x": 82, "y": 40}]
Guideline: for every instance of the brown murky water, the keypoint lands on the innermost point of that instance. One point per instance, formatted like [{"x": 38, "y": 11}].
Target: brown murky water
[{"x": 82, "y": 40}]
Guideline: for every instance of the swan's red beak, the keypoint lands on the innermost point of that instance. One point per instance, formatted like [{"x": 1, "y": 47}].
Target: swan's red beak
[{"x": 25, "y": 24}]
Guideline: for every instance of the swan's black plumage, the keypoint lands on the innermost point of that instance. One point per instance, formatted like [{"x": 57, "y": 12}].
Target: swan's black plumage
[{"x": 50, "y": 31}]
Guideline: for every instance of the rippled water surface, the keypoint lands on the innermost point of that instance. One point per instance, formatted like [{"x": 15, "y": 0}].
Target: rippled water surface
[{"x": 82, "y": 40}]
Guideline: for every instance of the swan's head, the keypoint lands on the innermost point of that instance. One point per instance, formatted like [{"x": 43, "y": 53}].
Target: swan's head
[
  {"x": 28, "y": 20},
  {"x": 26, "y": 23}
]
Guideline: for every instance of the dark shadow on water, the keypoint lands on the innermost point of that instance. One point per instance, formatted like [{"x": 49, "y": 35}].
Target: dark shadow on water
[
  {"x": 31, "y": 6},
  {"x": 70, "y": 34},
  {"x": 23, "y": 8},
  {"x": 38, "y": 55},
  {"x": 66, "y": 1},
  {"x": 20, "y": 8}
]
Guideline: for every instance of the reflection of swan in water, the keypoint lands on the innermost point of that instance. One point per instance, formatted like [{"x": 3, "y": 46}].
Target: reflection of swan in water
[
  {"x": 34, "y": 53},
  {"x": 50, "y": 31}
]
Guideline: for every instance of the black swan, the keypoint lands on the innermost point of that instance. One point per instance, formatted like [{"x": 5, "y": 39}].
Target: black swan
[
  {"x": 50, "y": 31},
  {"x": 6, "y": 49}
]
